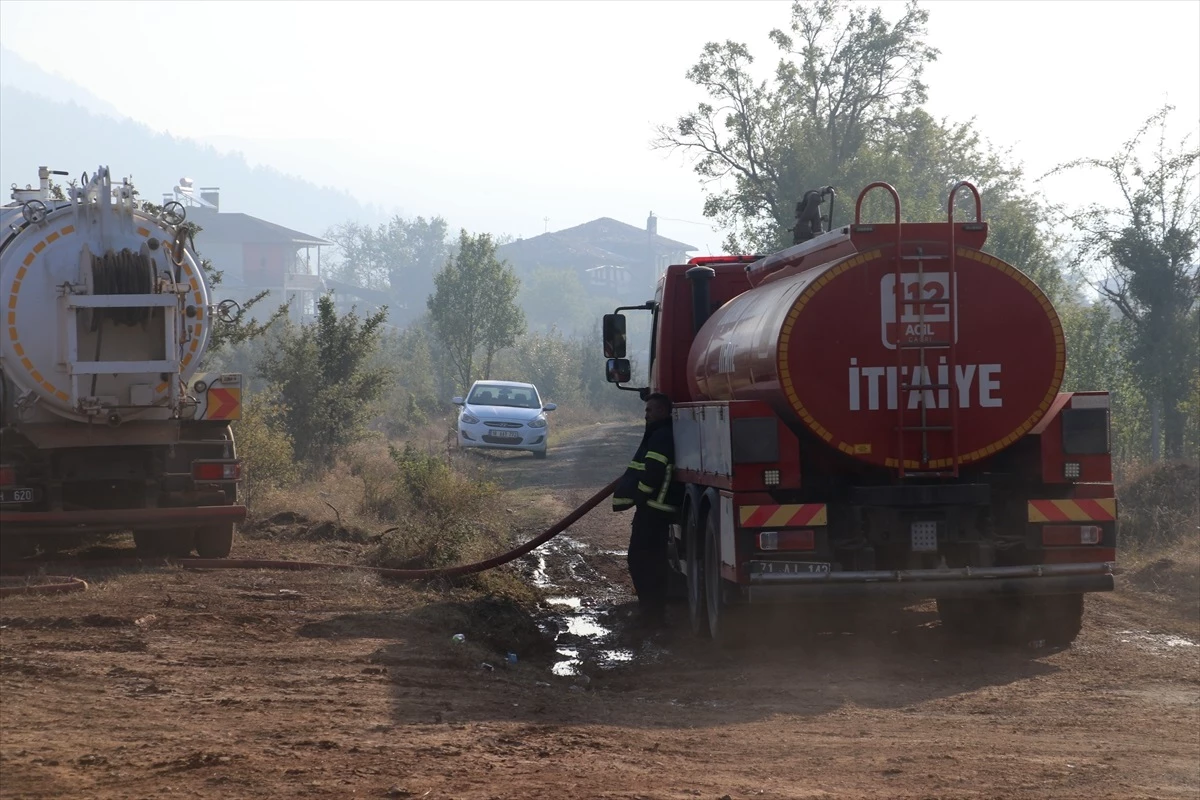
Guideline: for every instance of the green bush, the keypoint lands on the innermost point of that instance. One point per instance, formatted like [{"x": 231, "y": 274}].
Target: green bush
[
  {"x": 325, "y": 380},
  {"x": 441, "y": 516},
  {"x": 265, "y": 447}
]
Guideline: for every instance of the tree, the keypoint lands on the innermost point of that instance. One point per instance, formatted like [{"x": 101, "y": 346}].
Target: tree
[
  {"x": 855, "y": 74},
  {"x": 553, "y": 298},
  {"x": 1098, "y": 358},
  {"x": 399, "y": 257},
  {"x": 324, "y": 379},
  {"x": 1146, "y": 251},
  {"x": 474, "y": 307},
  {"x": 843, "y": 109}
]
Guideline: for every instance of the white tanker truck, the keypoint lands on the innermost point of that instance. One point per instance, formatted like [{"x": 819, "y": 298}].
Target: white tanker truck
[{"x": 106, "y": 425}]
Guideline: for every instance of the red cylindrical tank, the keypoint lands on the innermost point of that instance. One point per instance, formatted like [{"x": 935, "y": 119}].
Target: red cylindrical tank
[{"x": 821, "y": 348}]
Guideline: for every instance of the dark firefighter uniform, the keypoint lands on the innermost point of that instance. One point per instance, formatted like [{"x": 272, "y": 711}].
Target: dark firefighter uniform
[{"x": 647, "y": 486}]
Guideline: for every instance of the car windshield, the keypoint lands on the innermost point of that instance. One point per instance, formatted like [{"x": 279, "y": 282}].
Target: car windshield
[{"x": 510, "y": 396}]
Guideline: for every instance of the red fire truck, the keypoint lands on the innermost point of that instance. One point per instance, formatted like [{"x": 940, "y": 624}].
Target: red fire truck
[{"x": 875, "y": 412}]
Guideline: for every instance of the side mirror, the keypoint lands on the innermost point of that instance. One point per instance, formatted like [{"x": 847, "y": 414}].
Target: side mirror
[
  {"x": 614, "y": 335},
  {"x": 617, "y": 370},
  {"x": 549, "y": 406},
  {"x": 458, "y": 401}
]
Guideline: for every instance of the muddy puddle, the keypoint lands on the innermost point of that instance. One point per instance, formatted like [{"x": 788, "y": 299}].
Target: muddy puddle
[
  {"x": 575, "y": 621},
  {"x": 1158, "y": 643}
]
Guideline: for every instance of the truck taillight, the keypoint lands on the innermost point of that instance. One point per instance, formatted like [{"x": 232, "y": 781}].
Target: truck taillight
[
  {"x": 217, "y": 471},
  {"x": 8, "y": 476},
  {"x": 1071, "y": 535},
  {"x": 786, "y": 540}
]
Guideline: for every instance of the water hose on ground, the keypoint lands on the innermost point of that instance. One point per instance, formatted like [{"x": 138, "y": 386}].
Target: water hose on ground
[
  {"x": 74, "y": 584},
  {"x": 51, "y": 584}
]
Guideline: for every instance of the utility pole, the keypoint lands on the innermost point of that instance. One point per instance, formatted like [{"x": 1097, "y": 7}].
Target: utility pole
[{"x": 547, "y": 221}]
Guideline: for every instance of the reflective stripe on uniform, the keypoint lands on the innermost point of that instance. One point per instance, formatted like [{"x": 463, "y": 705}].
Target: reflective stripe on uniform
[
  {"x": 647, "y": 489},
  {"x": 621, "y": 502},
  {"x": 638, "y": 465},
  {"x": 661, "y": 506},
  {"x": 666, "y": 484},
  {"x": 658, "y": 457}
]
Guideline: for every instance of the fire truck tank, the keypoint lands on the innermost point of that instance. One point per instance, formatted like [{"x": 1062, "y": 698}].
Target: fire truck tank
[
  {"x": 836, "y": 352},
  {"x": 106, "y": 307}
]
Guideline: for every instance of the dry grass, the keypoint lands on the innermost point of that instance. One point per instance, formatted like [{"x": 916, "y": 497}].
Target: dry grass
[
  {"x": 566, "y": 421},
  {"x": 1160, "y": 533},
  {"x": 1160, "y": 504},
  {"x": 412, "y": 505}
]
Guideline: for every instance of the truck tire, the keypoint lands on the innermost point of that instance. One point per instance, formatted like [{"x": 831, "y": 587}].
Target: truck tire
[
  {"x": 170, "y": 543},
  {"x": 694, "y": 557},
  {"x": 726, "y": 622},
  {"x": 17, "y": 546},
  {"x": 1054, "y": 620},
  {"x": 1047, "y": 620},
  {"x": 215, "y": 541}
]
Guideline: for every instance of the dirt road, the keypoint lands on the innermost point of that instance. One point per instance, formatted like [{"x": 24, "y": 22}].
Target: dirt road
[{"x": 167, "y": 683}]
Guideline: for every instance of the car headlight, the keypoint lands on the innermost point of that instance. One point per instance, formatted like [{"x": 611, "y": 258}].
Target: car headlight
[
  {"x": 468, "y": 418},
  {"x": 537, "y": 422}
]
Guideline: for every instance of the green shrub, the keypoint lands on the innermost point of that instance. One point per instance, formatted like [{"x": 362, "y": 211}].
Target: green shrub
[
  {"x": 326, "y": 381},
  {"x": 441, "y": 516},
  {"x": 268, "y": 460}
]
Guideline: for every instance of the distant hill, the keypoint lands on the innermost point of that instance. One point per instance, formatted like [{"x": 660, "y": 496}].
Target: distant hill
[
  {"x": 28, "y": 77},
  {"x": 83, "y": 133}
]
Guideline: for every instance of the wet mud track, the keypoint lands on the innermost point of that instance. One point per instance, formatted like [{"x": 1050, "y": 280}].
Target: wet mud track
[
  {"x": 583, "y": 571},
  {"x": 260, "y": 685}
]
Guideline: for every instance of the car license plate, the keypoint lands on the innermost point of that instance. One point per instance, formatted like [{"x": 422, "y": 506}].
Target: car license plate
[
  {"x": 19, "y": 495},
  {"x": 924, "y": 537},
  {"x": 505, "y": 434},
  {"x": 790, "y": 567}
]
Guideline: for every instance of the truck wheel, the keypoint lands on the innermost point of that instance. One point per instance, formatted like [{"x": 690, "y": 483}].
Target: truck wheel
[
  {"x": 697, "y": 603},
  {"x": 965, "y": 621},
  {"x": 15, "y": 546},
  {"x": 215, "y": 541},
  {"x": 725, "y": 621},
  {"x": 173, "y": 544},
  {"x": 1054, "y": 620}
]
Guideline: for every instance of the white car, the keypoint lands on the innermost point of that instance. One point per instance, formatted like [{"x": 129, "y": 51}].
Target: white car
[{"x": 504, "y": 415}]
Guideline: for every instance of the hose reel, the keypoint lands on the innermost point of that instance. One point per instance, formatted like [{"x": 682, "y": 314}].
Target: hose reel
[{"x": 120, "y": 273}]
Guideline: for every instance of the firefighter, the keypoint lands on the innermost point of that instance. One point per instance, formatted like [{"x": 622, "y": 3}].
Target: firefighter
[{"x": 647, "y": 487}]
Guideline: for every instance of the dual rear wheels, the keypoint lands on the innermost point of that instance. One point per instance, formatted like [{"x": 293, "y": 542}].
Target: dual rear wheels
[
  {"x": 712, "y": 613},
  {"x": 1050, "y": 620},
  {"x": 209, "y": 541}
]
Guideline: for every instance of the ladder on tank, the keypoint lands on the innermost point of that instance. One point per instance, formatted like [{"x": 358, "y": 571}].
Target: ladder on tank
[{"x": 947, "y": 467}]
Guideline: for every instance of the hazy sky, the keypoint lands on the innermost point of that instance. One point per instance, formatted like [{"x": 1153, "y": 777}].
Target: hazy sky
[{"x": 500, "y": 114}]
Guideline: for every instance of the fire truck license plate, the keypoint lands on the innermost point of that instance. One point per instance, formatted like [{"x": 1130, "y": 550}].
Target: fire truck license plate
[
  {"x": 789, "y": 567},
  {"x": 19, "y": 495}
]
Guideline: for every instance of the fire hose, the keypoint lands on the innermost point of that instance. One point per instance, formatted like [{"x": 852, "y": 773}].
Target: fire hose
[{"x": 58, "y": 584}]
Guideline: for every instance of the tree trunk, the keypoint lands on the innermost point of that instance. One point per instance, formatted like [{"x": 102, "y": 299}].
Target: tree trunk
[
  {"x": 1174, "y": 426},
  {"x": 487, "y": 365},
  {"x": 464, "y": 372},
  {"x": 1155, "y": 429}
]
